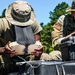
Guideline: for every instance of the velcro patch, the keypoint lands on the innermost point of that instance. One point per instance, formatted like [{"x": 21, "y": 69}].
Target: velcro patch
[{"x": 57, "y": 26}]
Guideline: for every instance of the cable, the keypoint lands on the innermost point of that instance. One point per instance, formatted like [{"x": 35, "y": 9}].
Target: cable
[{"x": 22, "y": 66}]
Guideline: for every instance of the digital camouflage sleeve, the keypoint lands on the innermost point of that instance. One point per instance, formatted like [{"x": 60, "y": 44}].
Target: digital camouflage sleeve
[{"x": 57, "y": 32}]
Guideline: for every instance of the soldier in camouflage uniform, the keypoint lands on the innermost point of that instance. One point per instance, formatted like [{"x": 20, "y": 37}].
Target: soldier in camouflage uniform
[
  {"x": 64, "y": 27},
  {"x": 21, "y": 27}
]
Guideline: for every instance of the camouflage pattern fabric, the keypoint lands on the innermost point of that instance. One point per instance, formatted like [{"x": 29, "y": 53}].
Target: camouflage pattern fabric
[
  {"x": 55, "y": 55},
  {"x": 57, "y": 33}
]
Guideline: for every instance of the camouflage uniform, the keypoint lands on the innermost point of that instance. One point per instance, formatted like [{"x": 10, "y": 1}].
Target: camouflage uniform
[
  {"x": 7, "y": 31},
  {"x": 58, "y": 31},
  {"x": 57, "y": 35}
]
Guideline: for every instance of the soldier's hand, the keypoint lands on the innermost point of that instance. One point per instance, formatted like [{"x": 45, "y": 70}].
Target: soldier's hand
[
  {"x": 8, "y": 51},
  {"x": 38, "y": 51}
]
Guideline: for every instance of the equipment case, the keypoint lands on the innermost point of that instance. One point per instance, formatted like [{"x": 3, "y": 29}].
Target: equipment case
[
  {"x": 50, "y": 68},
  {"x": 67, "y": 48}
]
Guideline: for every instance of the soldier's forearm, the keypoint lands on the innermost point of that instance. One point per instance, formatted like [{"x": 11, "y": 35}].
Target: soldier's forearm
[{"x": 37, "y": 37}]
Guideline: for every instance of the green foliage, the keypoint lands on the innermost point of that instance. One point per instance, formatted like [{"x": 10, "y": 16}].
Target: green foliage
[
  {"x": 46, "y": 37},
  {"x": 58, "y": 11},
  {"x": 47, "y": 29},
  {"x": 3, "y": 13}
]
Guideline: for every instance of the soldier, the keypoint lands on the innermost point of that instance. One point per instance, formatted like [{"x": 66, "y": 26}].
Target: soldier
[
  {"x": 64, "y": 27},
  {"x": 19, "y": 35}
]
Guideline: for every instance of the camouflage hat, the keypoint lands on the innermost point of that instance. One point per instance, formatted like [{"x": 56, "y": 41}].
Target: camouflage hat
[
  {"x": 20, "y": 13},
  {"x": 72, "y": 8}
]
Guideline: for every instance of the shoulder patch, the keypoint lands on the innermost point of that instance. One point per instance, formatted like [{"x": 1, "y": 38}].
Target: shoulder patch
[{"x": 57, "y": 26}]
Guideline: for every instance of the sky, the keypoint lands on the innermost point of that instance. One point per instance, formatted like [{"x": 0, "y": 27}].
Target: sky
[{"x": 41, "y": 7}]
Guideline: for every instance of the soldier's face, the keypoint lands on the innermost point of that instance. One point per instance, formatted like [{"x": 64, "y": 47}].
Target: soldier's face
[{"x": 73, "y": 14}]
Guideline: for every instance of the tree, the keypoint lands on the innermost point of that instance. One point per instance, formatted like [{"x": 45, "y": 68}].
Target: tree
[
  {"x": 58, "y": 11},
  {"x": 47, "y": 29},
  {"x": 3, "y": 13},
  {"x": 46, "y": 38}
]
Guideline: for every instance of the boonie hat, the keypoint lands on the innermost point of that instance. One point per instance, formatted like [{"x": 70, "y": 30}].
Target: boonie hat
[
  {"x": 20, "y": 13},
  {"x": 72, "y": 8}
]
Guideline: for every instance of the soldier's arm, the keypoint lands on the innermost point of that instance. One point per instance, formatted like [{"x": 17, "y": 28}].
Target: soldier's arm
[
  {"x": 57, "y": 33},
  {"x": 3, "y": 27},
  {"x": 1, "y": 40}
]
